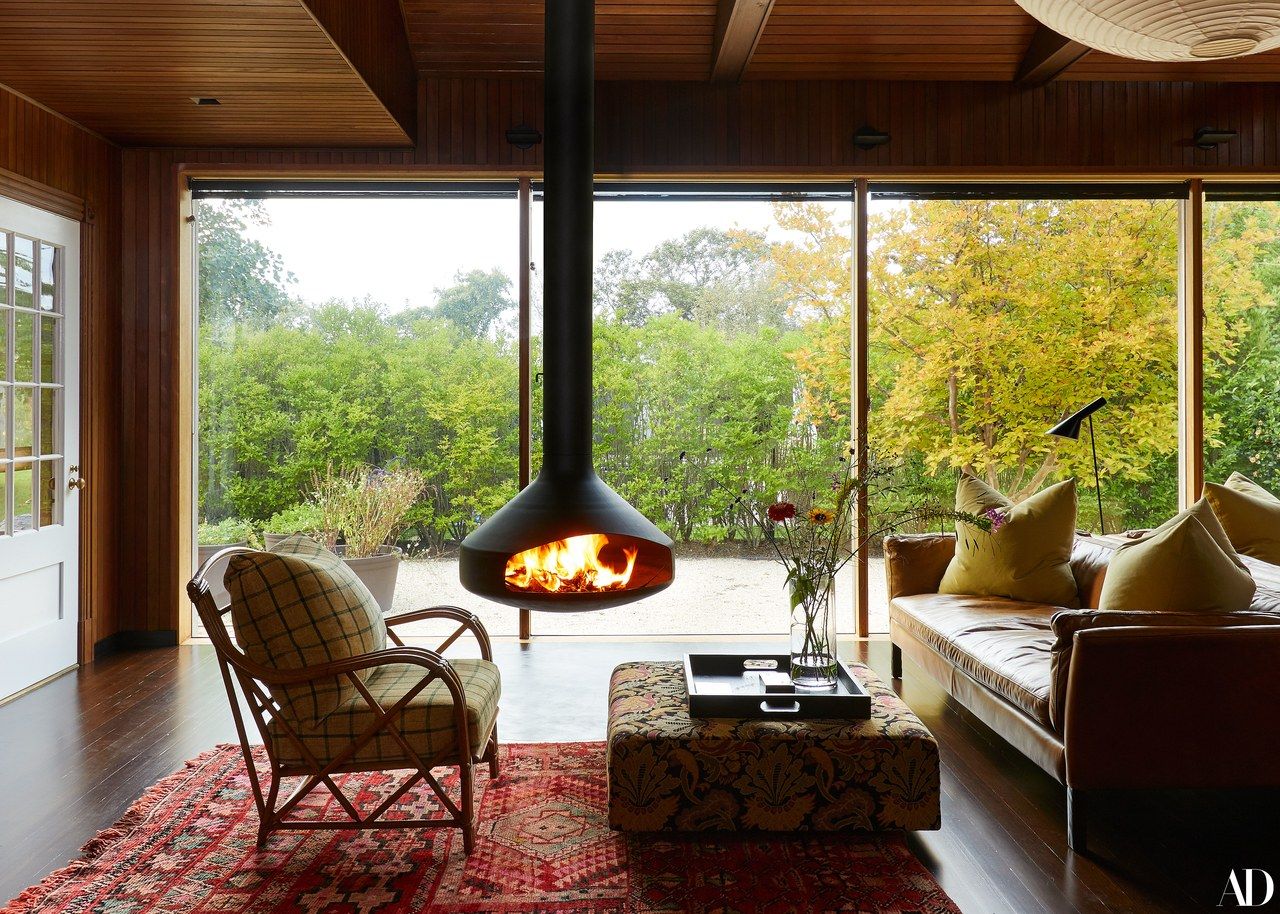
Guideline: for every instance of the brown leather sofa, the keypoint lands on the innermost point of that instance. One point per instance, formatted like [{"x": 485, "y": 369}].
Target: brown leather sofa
[{"x": 1100, "y": 699}]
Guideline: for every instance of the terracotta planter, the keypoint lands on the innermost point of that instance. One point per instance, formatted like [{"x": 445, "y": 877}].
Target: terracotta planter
[
  {"x": 378, "y": 572},
  {"x": 271, "y": 540},
  {"x": 214, "y": 575}
]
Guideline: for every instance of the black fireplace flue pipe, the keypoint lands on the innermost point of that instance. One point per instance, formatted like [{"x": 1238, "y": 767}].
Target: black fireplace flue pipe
[{"x": 568, "y": 167}]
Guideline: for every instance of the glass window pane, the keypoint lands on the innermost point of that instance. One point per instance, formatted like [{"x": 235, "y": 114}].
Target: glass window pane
[
  {"x": 49, "y": 257},
  {"x": 24, "y": 326},
  {"x": 23, "y": 408},
  {"x": 4, "y": 499},
  {"x": 49, "y": 369},
  {"x": 4, "y": 268},
  {"x": 992, "y": 320},
  {"x": 4, "y": 427},
  {"x": 50, "y": 442},
  {"x": 4, "y": 344},
  {"x": 24, "y": 255},
  {"x": 24, "y": 477},
  {"x": 1242, "y": 341},
  {"x": 50, "y": 493}
]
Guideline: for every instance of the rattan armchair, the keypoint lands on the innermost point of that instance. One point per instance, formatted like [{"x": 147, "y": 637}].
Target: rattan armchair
[{"x": 291, "y": 753}]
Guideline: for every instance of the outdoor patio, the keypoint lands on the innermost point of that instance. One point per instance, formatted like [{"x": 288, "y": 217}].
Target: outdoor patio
[{"x": 710, "y": 596}]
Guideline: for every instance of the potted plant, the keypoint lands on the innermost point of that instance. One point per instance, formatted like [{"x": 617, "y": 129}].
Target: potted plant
[
  {"x": 367, "y": 507},
  {"x": 304, "y": 518},
  {"x": 212, "y": 539}
]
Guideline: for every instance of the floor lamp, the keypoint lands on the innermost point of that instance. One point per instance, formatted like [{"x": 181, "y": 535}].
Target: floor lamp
[{"x": 1070, "y": 428}]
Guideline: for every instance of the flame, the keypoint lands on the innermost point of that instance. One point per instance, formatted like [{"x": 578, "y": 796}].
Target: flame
[{"x": 570, "y": 565}]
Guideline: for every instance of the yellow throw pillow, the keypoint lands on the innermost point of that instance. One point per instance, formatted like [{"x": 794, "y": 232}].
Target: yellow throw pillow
[
  {"x": 1178, "y": 567},
  {"x": 1029, "y": 558},
  {"x": 1250, "y": 515}
]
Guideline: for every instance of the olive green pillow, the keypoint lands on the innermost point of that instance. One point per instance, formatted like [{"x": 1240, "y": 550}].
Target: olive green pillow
[
  {"x": 1028, "y": 558},
  {"x": 1250, "y": 515},
  {"x": 1181, "y": 566}
]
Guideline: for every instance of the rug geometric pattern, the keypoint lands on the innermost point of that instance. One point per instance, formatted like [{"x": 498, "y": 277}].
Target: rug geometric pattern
[{"x": 543, "y": 845}]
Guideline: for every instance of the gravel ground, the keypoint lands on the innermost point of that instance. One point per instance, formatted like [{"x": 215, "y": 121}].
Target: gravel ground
[{"x": 710, "y": 596}]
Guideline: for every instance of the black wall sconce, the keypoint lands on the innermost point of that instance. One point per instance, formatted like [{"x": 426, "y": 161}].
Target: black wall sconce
[
  {"x": 524, "y": 136},
  {"x": 869, "y": 137},
  {"x": 1210, "y": 138}
]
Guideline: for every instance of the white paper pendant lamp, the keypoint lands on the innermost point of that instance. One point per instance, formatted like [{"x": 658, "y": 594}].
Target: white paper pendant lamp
[{"x": 1164, "y": 29}]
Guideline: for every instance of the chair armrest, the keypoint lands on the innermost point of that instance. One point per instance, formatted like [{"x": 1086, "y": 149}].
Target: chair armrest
[
  {"x": 1189, "y": 706},
  {"x": 468, "y": 621},
  {"x": 915, "y": 563},
  {"x": 413, "y": 656}
]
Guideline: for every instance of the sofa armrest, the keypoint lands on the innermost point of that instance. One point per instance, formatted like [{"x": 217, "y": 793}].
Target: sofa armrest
[
  {"x": 1173, "y": 706},
  {"x": 915, "y": 563},
  {"x": 1068, "y": 622}
]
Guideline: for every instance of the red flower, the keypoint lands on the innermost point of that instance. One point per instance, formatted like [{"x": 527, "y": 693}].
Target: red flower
[{"x": 783, "y": 510}]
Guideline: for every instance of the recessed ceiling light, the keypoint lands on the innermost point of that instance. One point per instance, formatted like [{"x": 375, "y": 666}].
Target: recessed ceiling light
[{"x": 203, "y": 100}]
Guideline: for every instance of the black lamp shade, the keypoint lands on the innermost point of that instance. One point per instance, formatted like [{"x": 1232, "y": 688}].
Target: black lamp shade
[{"x": 1070, "y": 426}]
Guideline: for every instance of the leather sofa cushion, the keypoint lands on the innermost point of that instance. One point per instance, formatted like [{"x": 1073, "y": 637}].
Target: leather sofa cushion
[{"x": 1003, "y": 644}]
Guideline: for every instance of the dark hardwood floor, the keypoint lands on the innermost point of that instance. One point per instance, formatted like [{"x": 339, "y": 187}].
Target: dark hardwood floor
[{"x": 76, "y": 752}]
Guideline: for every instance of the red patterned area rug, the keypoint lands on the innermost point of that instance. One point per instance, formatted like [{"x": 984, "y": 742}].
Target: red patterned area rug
[{"x": 543, "y": 845}]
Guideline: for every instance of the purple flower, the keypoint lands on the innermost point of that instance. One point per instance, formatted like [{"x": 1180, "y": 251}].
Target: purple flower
[{"x": 997, "y": 518}]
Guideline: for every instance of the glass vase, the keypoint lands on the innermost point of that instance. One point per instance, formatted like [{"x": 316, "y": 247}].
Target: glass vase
[{"x": 813, "y": 633}]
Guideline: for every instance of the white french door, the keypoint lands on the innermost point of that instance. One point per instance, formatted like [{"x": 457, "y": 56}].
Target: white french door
[{"x": 39, "y": 444}]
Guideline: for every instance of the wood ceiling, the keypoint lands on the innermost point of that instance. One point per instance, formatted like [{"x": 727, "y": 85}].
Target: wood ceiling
[
  {"x": 345, "y": 72},
  {"x": 635, "y": 39},
  {"x": 801, "y": 39},
  {"x": 130, "y": 69}
]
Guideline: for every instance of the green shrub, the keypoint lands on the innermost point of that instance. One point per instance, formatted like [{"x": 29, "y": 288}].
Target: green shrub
[
  {"x": 225, "y": 532},
  {"x": 300, "y": 518}
]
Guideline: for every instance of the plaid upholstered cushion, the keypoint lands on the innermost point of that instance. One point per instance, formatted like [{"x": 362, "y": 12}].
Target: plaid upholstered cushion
[
  {"x": 426, "y": 723},
  {"x": 299, "y": 606}
]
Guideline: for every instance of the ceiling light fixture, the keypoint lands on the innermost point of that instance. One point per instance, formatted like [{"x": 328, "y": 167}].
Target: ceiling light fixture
[
  {"x": 524, "y": 137},
  {"x": 869, "y": 138},
  {"x": 1164, "y": 30},
  {"x": 1209, "y": 138}
]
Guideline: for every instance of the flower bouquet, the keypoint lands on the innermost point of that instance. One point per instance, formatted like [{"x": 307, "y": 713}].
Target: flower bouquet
[{"x": 815, "y": 541}]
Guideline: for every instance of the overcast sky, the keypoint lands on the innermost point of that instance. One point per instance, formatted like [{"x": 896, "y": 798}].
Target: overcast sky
[{"x": 398, "y": 251}]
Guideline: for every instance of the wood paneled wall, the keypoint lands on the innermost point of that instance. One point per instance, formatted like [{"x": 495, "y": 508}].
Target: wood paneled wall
[
  {"x": 794, "y": 128},
  {"x": 51, "y": 162}
]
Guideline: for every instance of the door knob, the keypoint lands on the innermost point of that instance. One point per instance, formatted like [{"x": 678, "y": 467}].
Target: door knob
[{"x": 75, "y": 482}]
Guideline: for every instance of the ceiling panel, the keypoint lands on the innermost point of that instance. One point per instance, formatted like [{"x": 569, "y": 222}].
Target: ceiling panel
[
  {"x": 891, "y": 39},
  {"x": 635, "y": 39},
  {"x": 1254, "y": 68},
  {"x": 129, "y": 69}
]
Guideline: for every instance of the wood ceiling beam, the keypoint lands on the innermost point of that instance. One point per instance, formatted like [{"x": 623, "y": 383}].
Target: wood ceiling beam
[
  {"x": 371, "y": 36},
  {"x": 1047, "y": 56},
  {"x": 739, "y": 24}
]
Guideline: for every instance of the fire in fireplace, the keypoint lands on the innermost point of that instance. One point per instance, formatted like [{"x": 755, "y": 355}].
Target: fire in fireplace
[
  {"x": 579, "y": 564},
  {"x": 568, "y": 542}
]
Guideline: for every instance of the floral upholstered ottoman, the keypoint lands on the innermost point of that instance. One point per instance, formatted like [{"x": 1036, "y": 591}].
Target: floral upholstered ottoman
[{"x": 671, "y": 772}]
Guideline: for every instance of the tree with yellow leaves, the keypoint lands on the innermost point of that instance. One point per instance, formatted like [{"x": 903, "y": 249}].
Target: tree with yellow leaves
[{"x": 991, "y": 320}]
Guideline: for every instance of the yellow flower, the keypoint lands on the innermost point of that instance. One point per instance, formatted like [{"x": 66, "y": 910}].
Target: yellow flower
[{"x": 821, "y": 516}]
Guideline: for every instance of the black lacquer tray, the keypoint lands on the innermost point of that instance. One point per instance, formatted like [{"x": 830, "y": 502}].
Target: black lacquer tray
[{"x": 728, "y": 685}]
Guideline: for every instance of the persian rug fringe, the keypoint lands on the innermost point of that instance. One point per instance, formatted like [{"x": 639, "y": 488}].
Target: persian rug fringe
[{"x": 29, "y": 900}]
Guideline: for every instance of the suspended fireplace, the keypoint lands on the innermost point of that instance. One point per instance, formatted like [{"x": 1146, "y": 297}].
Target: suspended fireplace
[{"x": 568, "y": 542}]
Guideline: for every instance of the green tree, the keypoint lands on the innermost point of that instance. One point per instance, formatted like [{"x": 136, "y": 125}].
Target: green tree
[
  {"x": 1242, "y": 300},
  {"x": 242, "y": 282},
  {"x": 709, "y": 276},
  {"x": 477, "y": 302}
]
